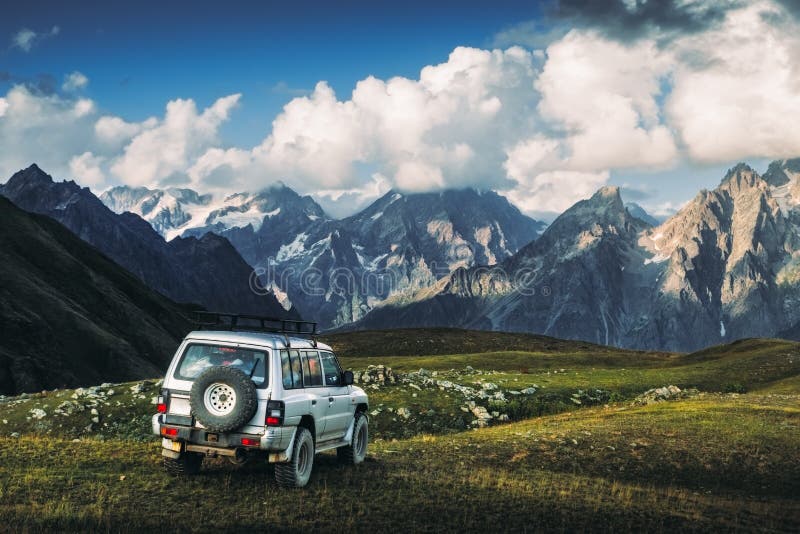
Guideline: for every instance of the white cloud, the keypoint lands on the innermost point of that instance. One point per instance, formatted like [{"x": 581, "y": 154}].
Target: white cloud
[
  {"x": 737, "y": 89},
  {"x": 86, "y": 169},
  {"x": 115, "y": 132},
  {"x": 25, "y": 39},
  {"x": 167, "y": 149},
  {"x": 604, "y": 95},
  {"x": 65, "y": 137},
  {"x": 74, "y": 81},
  {"x": 546, "y": 127},
  {"x": 46, "y": 129}
]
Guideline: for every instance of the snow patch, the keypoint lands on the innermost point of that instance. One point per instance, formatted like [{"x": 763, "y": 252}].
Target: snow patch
[
  {"x": 658, "y": 258},
  {"x": 293, "y": 249},
  {"x": 240, "y": 219},
  {"x": 721, "y": 329}
]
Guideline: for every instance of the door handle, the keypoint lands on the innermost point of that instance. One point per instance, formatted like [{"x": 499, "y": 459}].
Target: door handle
[{"x": 313, "y": 402}]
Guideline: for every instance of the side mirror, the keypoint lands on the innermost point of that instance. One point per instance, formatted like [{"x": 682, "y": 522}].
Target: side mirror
[{"x": 347, "y": 378}]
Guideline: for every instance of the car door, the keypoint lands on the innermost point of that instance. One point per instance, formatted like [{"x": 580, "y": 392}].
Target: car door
[
  {"x": 299, "y": 398},
  {"x": 340, "y": 408}
]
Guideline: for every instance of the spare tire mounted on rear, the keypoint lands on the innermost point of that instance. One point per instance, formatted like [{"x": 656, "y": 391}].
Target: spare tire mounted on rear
[{"x": 223, "y": 399}]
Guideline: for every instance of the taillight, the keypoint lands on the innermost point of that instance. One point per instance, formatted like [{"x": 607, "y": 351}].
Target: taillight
[
  {"x": 250, "y": 442},
  {"x": 163, "y": 401},
  {"x": 275, "y": 410},
  {"x": 169, "y": 432}
]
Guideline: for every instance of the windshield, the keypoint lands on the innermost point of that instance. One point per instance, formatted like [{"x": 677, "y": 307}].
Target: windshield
[{"x": 199, "y": 357}]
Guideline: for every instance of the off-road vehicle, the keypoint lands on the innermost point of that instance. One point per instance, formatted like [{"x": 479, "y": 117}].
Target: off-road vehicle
[{"x": 244, "y": 386}]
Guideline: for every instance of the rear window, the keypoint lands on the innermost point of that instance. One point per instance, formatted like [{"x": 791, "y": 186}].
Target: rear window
[{"x": 199, "y": 357}]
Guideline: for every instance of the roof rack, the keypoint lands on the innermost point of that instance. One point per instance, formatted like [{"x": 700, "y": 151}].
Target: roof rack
[{"x": 253, "y": 323}]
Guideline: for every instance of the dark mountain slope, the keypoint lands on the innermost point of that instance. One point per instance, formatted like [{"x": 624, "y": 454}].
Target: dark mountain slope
[{"x": 70, "y": 316}]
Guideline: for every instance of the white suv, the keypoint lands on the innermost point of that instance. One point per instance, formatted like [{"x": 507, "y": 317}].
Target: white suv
[{"x": 239, "y": 392}]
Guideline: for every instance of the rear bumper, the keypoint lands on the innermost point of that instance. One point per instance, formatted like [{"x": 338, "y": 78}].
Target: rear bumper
[{"x": 272, "y": 439}]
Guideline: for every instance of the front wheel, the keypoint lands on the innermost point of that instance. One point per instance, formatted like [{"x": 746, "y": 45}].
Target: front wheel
[
  {"x": 296, "y": 472},
  {"x": 356, "y": 451}
]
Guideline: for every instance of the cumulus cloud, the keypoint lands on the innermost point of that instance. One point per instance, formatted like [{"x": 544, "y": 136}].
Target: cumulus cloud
[
  {"x": 169, "y": 147},
  {"x": 547, "y": 127},
  {"x": 47, "y": 129},
  {"x": 736, "y": 101},
  {"x": 86, "y": 169},
  {"x": 74, "y": 81},
  {"x": 25, "y": 39},
  {"x": 66, "y": 137}
]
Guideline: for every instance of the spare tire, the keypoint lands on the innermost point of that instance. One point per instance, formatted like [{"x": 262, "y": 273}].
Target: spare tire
[{"x": 223, "y": 399}]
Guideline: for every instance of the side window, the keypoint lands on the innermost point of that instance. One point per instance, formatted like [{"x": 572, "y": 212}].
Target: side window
[
  {"x": 312, "y": 368},
  {"x": 330, "y": 368},
  {"x": 297, "y": 372},
  {"x": 286, "y": 370}
]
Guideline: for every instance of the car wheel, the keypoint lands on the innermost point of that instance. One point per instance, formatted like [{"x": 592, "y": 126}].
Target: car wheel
[
  {"x": 297, "y": 471},
  {"x": 186, "y": 464},
  {"x": 356, "y": 451}
]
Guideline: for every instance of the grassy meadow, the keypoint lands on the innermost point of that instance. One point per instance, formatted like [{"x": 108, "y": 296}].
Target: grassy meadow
[{"x": 559, "y": 457}]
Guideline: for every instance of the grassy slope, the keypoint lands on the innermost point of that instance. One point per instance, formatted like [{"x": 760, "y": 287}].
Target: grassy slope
[
  {"x": 720, "y": 460},
  {"x": 696, "y": 464}
]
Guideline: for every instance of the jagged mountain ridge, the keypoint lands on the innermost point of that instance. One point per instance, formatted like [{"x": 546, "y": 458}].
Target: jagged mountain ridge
[
  {"x": 398, "y": 244},
  {"x": 724, "y": 267},
  {"x": 205, "y": 270}
]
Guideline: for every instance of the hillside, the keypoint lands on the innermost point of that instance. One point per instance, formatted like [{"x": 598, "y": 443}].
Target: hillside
[
  {"x": 436, "y": 341},
  {"x": 584, "y": 450},
  {"x": 69, "y": 315}
]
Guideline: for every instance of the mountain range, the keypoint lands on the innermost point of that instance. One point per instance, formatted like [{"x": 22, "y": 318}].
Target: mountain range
[
  {"x": 336, "y": 271},
  {"x": 205, "y": 270},
  {"x": 724, "y": 267}
]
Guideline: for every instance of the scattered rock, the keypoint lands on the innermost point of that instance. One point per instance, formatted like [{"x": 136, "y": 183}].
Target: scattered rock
[
  {"x": 38, "y": 413},
  {"x": 662, "y": 394}
]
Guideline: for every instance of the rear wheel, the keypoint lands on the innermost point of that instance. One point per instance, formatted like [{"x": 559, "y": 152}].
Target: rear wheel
[
  {"x": 186, "y": 464},
  {"x": 297, "y": 471},
  {"x": 357, "y": 450}
]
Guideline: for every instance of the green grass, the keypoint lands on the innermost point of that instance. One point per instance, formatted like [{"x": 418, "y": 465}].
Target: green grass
[
  {"x": 711, "y": 463},
  {"x": 721, "y": 460}
]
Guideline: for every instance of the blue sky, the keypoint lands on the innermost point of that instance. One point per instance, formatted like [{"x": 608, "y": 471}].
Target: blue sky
[
  {"x": 641, "y": 95},
  {"x": 138, "y": 55}
]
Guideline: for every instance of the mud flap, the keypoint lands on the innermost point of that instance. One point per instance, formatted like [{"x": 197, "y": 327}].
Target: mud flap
[{"x": 284, "y": 455}]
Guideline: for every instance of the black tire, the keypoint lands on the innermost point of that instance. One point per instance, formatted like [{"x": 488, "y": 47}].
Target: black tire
[
  {"x": 297, "y": 471},
  {"x": 356, "y": 451},
  {"x": 223, "y": 399},
  {"x": 187, "y": 464}
]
